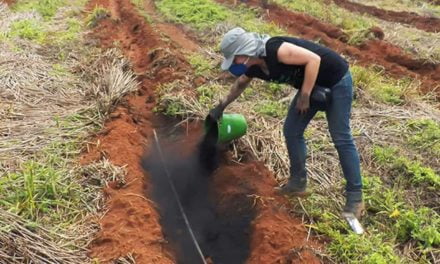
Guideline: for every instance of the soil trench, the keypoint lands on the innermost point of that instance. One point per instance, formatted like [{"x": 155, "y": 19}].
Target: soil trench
[
  {"x": 392, "y": 58},
  {"x": 429, "y": 24},
  {"x": 131, "y": 224}
]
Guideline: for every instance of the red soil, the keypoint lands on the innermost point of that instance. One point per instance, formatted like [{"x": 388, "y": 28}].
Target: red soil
[
  {"x": 8, "y": 2},
  {"x": 430, "y": 24},
  {"x": 130, "y": 224},
  {"x": 392, "y": 58}
]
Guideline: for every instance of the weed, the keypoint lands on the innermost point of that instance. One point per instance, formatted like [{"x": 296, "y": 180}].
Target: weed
[
  {"x": 426, "y": 135},
  {"x": 169, "y": 104},
  {"x": 174, "y": 109},
  {"x": 357, "y": 27},
  {"x": 382, "y": 199},
  {"x": 421, "y": 225},
  {"x": 47, "y": 8},
  {"x": 402, "y": 166},
  {"x": 345, "y": 246},
  {"x": 352, "y": 248},
  {"x": 71, "y": 33},
  {"x": 30, "y": 29},
  {"x": 38, "y": 189},
  {"x": 99, "y": 13},
  {"x": 382, "y": 89},
  {"x": 201, "y": 65},
  {"x": 201, "y": 14},
  {"x": 250, "y": 22},
  {"x": 271, "y": 108},
  {"x": 206, "y": 94}
]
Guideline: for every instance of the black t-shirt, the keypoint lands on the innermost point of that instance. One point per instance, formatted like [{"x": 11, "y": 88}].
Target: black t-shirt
[{"x": 331, "y": 70}]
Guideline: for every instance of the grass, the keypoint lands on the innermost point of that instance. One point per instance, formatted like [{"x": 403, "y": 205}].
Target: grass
[
  {"x": 42, "y": 190},
  {"x": 44, "y": 30},
  {"x": 201, "y": 64},
  {"x": 381, "y": 88},
  {"x": 201, "y": 14},
  {"x": 70, "y": 32},
  {"x": 421, "y": 225},
  {"x": 30, "y": 29},
  {"x": 205, "y": 14},
  {"x": 401, "y": 166},
  {"x": 390, "y": 221},
  {"x": 98, "y": 13},
  {"x": 356, "y": 27},
  {"x": 46, "y": 8},
  {"x": 419, "y": 6},
  {"x": 424, "y": 134},
  {"x": 271, "y": 108}
]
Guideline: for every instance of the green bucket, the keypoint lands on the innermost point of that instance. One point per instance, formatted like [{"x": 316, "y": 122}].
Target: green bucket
[{"x": 229, "y": 127}]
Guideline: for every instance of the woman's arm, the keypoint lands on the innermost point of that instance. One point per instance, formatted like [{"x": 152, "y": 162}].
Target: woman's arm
[
  {"x": 292, "y": 54},
  {"x": 237, "y": 88}
]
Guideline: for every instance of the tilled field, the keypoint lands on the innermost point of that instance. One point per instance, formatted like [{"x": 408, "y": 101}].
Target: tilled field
[{"x": 252, "y": 223}]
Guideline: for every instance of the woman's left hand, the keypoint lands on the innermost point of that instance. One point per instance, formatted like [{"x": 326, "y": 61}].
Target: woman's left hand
[{"x": 303, "y": 103}]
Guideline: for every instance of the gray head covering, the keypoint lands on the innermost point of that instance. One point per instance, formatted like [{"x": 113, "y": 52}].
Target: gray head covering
[{"x": 239, "y": 42}]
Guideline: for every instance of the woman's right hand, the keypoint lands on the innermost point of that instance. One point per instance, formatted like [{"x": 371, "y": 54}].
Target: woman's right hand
[
  {"x": 216, "y": 112},
  {"x": 303, "y": 103}
]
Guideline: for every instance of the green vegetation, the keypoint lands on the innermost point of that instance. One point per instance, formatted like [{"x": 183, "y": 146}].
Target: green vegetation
[
  {"x": 390, "y": 221},
  {"x": 424, "y": 135},
  {"x": 201, "y": 65},
  {"x": 206, "y": 94},
  {"x": 403, "y": 167},
  {"x": 204, "y": 14},
  {"x": 46, "y": 8},
  {"x": 70, "y": 33},
  {"x": 30, "y": 29},
  {"x": 201, "y": 14},
  {"x": 41, "y": 186},
  {"x": 357, "y": 27},
  {"x": 42, "y": 189},
  {"x": 59, "y": 70},
  {"x": 381, "y": 88},
  {"x": 169, "y": 104},
  {"x": 421, "y": 225},
  {"x": 96, "y": 15},
  {"x": 345, "y": 246},
  {"x": 420, "y": 6},
  {"x": 44, "y": 31},
  {"x": 249, "y": 20},
  {"x": 271, "y": 108}
]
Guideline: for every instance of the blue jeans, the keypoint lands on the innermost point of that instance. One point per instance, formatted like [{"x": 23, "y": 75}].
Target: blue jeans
[{"x": 338, "y": 118}]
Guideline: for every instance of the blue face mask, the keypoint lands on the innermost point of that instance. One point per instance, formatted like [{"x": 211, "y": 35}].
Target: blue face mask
[{"x": 239, "y": 69}]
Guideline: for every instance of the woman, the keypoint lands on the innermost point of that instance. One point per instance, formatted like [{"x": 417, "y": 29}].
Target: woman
[{"x": 308, "y": 67}]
